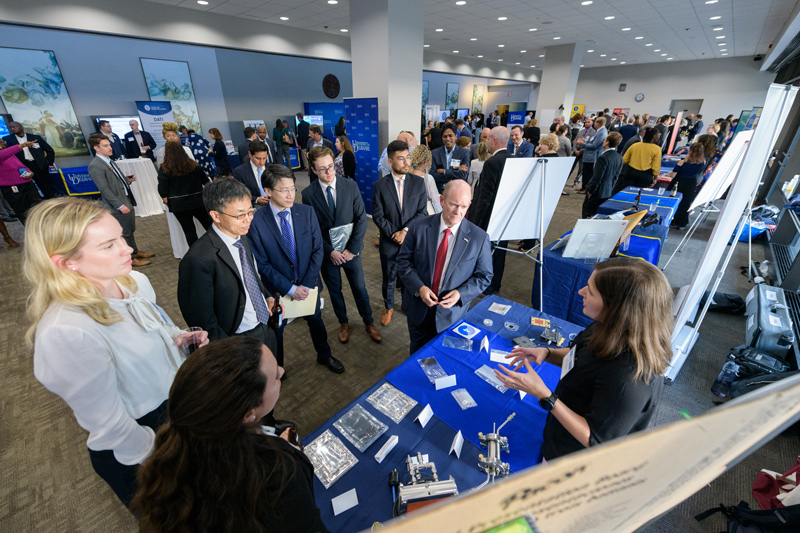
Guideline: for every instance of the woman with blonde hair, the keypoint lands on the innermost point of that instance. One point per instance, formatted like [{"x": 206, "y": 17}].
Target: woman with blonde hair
[
  {"x": 169, "y": 130},
  {"x": 686, "y": 177},
  {"x": 99, "y": 340},
  {"x": 476, "y": 165},
  {"x": 615, "y": 366},
  {"x": 420, "y": 165},
  {"x": 531, "y": 133}
]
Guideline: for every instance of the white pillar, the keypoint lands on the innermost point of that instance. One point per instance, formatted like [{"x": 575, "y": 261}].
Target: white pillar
[
  {"x": 386, "y": 38},
  {"x": 559, "y": 78}
]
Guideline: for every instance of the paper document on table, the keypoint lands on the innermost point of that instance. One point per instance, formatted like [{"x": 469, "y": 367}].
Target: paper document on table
[
  {"x": 297, "y": 308},
  {"x": 340, "y": 236}
]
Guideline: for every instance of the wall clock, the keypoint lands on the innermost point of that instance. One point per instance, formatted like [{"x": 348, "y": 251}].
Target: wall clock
[
  {"x": 330, "y": 86},
  {"x": 639, "y": 97}
]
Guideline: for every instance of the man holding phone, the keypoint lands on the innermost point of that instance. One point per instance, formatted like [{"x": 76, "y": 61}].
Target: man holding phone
[
  {"x": 15, "y": 180},
  {"x": 37, "y": 156},
  {"x": 115, "y": 193}
]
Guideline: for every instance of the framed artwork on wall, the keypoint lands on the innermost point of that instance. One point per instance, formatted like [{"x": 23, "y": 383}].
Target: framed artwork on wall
[
  {"x": 478, "y": 92},
  {"x": 451, "y": 97},
  {"x": 172, "y": 81},
  {"x": 35, "y": 95}
]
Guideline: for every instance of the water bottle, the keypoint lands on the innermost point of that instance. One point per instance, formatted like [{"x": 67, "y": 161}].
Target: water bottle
[{"x": 722, "y": 385}]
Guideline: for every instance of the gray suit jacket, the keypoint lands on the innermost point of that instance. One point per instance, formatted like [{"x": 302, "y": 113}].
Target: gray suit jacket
[
  {"x": 113, "y": 193},
  {"x": 469, "y": 270}
]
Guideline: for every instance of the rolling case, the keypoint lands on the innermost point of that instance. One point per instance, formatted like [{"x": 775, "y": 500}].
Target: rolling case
[{"x": 768, "y": 324}]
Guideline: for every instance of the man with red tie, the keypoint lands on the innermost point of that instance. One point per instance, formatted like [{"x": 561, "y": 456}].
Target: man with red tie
[{"x": 437, "y": 294}]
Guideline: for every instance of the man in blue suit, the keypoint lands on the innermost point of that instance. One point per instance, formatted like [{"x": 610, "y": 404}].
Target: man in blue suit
[
  {"x": 517, "y": 146},
  {"x": 139, "y": 143},
  {"x": 250, "y": 172},
  {"x": 287, "y": 244},
  {"x": 116, "y": 144},
  {"x": 445, "y": 262},
  {"x": 449, "y": 162}
]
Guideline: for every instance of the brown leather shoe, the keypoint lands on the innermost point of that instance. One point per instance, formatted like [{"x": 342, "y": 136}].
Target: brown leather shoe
[
  {"x": 386, "y": 316},
  {"x": 139, "y": 263},
  {"x": 374, "y": 334},
  {"x": 143, "y": 255},
  {"x": 344, "y": 333},
  {"x": 377, "y": 241}
]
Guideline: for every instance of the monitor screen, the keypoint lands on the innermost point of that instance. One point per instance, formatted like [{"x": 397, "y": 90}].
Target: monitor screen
[
  {"x": 311, "y": 119},
  {"x": 4, "y": 127},
  {"x": 119, "y": 123},
  {"x": 462, "y": 112}
]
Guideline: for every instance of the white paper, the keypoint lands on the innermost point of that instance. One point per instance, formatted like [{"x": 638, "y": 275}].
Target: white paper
[
  {"x": 458, "y": 442},
  {"x": 386, "y": 448},
  {"x": 465, "y": 330},
  {"x": 499, "y": 356},
  {"x": 751, "y": 321},
  {"x": 567, "y": 363},
  {"x": 298, "y": 308},
  {"x": 445, "y": 383},
  {"x": 775, "y": 321},
  {"x": 345, "y": 501},
  {"x": 425, "y": 415},
  {"x": 522, "y": 395},
  {"x": 771, "y": 295},
  {"x": 500, "y": 309},
  {"x": 485, "y": 344}
]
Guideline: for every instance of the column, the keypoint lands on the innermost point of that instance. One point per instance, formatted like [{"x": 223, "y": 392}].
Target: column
[
  {"x": 559, "y": 79},
  {"x": 386, "y": 38}
]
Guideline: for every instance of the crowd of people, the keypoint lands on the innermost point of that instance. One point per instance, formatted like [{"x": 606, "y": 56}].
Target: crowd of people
[{"x": 182, "y": 423}]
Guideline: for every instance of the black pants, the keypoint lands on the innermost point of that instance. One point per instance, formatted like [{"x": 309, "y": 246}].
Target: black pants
[
  {"x": 419, "y": 335},
  {"x": 267, "y": 336},
  {"x": 25, "y": 197},
  {"x": 498, "y": 267},
  {"x": 355, "y": 277},
  {"x": 688, "y": 189},
  {"x": 186, "y": 220},
  {"x": 41, "y": 176},
  {"x": 638, "y": 178},
  {"x": 588, "y": 172},
  {"x": 590, "y": 205},
  {"x": 319, "y": 336},
  {"x": 122, "y": 478}
]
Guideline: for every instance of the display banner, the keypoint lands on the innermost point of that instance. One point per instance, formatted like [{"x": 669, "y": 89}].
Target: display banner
[
  {"x": 432, "y": 112},
  {"x": 254, "y": 124},
  {"x": 77, "y": 181},
  {"x": 361, "y": 115},
  {"x": 330, "y": 111},
  {"x": 516, "y": 113},
  {"x": 752, "y": 120},
  {"x": 152, "y": 116},
  {"x": 578, "y": 109}
]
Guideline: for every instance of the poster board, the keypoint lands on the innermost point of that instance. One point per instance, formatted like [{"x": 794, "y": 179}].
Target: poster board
[
  {"x": 525, "y": 222},
  {"x": 725, "y": 171},
  {"x": 152, "y": 116}
]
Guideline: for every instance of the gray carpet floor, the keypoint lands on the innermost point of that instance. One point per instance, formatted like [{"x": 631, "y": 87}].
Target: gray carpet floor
[{"x": 47, "y": 483}]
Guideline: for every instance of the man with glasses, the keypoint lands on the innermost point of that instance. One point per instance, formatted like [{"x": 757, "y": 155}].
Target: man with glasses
[
  {"x": 340, "y": 210},
  {"x": 315, "y": 139},
  {"x": 288, "y": 247},
  {"x": 219, "y": 288}
]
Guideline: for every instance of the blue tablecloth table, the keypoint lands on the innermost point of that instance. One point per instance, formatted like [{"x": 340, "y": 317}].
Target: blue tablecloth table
[{"x": 625, "y": 199}]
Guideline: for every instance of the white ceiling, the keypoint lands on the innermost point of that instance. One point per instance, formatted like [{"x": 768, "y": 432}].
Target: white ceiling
[{"x": 677, "y": 29}]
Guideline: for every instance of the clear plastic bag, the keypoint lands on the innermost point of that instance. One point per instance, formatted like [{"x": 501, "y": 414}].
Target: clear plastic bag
[
  {"x": 330, "y": 457},
  {"x": 488, "y": 375},
  {"x": 360, "y": 427},
  {"x": 432, "y": 368},
  {"x": 391, "y": 402},
  {"x": 464, "y": 398},
  {"x": 459, "y": 343}
]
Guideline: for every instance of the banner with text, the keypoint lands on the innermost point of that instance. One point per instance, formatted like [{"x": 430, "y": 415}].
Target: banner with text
[
  {"x": 361, "y": 115},
  {"x": 153, "y": 115},
  {"x": 516, "y": 113},
  {"x": 77, "y": 181},
  {"x": 331, "y": 112}
]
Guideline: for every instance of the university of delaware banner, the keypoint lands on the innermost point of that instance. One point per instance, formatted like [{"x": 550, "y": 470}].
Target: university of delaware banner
[{"x": 361, "y": 118}]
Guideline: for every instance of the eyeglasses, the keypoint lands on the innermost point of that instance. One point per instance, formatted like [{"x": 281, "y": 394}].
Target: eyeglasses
[
  {"x": 243, "y": 216},
  {"x": 286, "y": 191},
  {"x": 326, "y": 170}
]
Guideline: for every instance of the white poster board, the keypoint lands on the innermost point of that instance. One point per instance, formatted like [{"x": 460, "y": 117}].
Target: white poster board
[
  {"x": 432, "y": 112},
  {"x": 776, "y": 109},
  {"x": 253, "y": 123},
  {"x": 726, "y": 169},
  {"x": 594, "y": 239},
  {"x": 525, "y": 221},
  {"x": 546, "y": 118},
  {"x": 621, "y": 485},
  {"x": 152, "y": 116}
]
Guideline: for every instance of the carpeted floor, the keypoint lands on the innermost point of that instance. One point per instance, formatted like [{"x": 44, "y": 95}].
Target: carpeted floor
[{"x": 48, "y": 484}]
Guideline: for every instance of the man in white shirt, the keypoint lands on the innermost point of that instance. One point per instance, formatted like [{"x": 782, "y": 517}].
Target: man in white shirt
[
  {"x": 139, "y": 143},
  {"x": 37, "y": 158},
  {"x": 250, "y": 172}
]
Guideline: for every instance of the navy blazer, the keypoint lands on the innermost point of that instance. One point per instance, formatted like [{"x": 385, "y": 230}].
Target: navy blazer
[
  {"x": 386, "y": 208},
  {"x": 349, "y": 208},
  {"x": 485, "y": 193},
  {"x": 525, "y": 149},
  {"x": 116, "y": 146},
  {"x": 469, "y": 271},
  {"x": 244, "y": 174},
  {"x": 43, "y": 156},
  {"x": 439, "y": 160},
  {"x": 271, "y": 253},
  {"x": 132, "y": 150}
]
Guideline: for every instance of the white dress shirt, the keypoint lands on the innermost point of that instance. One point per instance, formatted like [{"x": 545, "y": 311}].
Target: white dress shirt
[
  {"x": 249, "y": 317},
  {"x": 26, "y": 150},
  {"x": 450, "y": 244},
  {"x": 325, "y": 191},
  {"x": 397, "y": 179},
  {"x": 110, "y": 375}
]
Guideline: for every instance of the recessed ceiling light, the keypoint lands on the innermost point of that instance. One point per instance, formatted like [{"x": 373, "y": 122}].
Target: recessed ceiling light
[
  {"x": 639, "y": 37},
  {"x": 670, "y": 59},
  {"x": 721, "y": 44},
  {"x": 582, "y": 66},
  {"x": 439, "y": 29},
  {"x": 522, "y": 51},
  {"x": 480, "y": 56},
  {"x": 602, "y": 55},
  {"x": 711, "y": 1},
  {"x": 542, "y": 55},
  {"x": 343, "y": 30},
  {"x": 613, "y": 59},
  {"x": 333, "y": 2},
  {"x": 715, "y": 18},
  {"x": 622, "y": 62},
  {"x": 533, "y": 66},
  {"x": 533, "y": 29},
  {"x": 455, "y": 51},
  {"x": 499, "y": 59},
  {"x": 502, "y": 18},
  {"x": 587, "y": 3},
  {"x": 720, "y": 36},
  {"x": 202, "y": 2},
  {"x": 657, "y": 50},
  {"x": 649, "y": 44},
  {"x": 589, "y": 51},
  {"x": 663, "y": 55},
  {"x": 556, "y": 38},
  {"x": 723, "y": 49},
  {"x": 501, "y": 46},
  {"x": 612, "y": 17},
  {"x": 460, "y": 3},
  {"x": 726, "y": 53},
  {"x": 718, "y": 28},
  {"x": 284, "y": 18},
  {"x": 426, "y": 46},
  {"x": 517, "y": 63},
  {"x": 626, "y": 29}
]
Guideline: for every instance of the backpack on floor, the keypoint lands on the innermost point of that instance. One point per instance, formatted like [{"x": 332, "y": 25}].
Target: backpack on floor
[{"x": 742, "y": 519}]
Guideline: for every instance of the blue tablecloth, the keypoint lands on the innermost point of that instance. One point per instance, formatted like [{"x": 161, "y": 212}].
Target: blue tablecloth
[
  {"x": 524, "y": 432},
  {"x": 564, "y": 276},
  {"x": 624, "y": 200}
]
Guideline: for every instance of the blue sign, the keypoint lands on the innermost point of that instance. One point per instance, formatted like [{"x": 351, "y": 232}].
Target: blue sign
[
  {"x": 77, "y": 181},
  {"x": 331, "y": 112},
  {"x": 516, "y": 117},
  {"x": 361, "y": 117}
]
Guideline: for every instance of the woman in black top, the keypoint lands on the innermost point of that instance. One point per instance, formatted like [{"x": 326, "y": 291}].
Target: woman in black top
[
  {"x": 614, "y": 370},
  {"x": 180, "y": 185},
  {"x": 215, "y": 467},
  {"x": 687, "y": 175},
  {"x": 340, "y": 129},
  {"x": 220, "y": 154},
  {"x": 531, "y": 132},
  {"x": 345, "y": 162}
]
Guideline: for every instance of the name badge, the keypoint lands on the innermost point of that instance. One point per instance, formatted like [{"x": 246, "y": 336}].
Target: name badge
[
  {"x": 568, "y": 363},
  {"x": 35, "y": 145},
  {"x": 455, "y": 163}
]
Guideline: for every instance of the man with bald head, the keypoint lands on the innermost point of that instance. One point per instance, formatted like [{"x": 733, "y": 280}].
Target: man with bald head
[
  {"x": 444, "y": 262},
  {"x": 484, "y": 136}
]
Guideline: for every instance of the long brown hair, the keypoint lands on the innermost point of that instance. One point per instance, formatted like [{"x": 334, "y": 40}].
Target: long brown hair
[
  {"x": 176, "y": 162},
  {"x": 709, "y": 143},
  {"x": 636, "y": 315},
  {"x": 345, "y": 143},
  {"x": 696, "y": 154},
  {"x": 209, "y": 471}
]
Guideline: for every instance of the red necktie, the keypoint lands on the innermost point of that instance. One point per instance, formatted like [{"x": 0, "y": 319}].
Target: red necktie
[{"x": 441, "y": 255}]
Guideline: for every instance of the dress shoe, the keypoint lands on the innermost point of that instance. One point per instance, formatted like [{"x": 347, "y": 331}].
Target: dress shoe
[
  {"x": 386, "y": 316},
  {"x": 374, "y": 334},
  {"x": 344, "y": 333},
  {"x": 333, "y": 364},
  {"x": 377, "y": 241},
  {"x": 143, "y": 255},
  {"x": 139, "y": 263}
]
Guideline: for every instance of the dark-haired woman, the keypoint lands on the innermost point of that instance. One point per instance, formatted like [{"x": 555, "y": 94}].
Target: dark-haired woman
[
  {"x": 614, "y": 369},
  {"x": 345, "y": 162},
  {"x": 214, "y": 466},
  {"x": 220, "y": 154},
  {"x": 180, "y": 185},
  {"x": 687, "y": 174},
  {"x": 340, "y": 129},
  {"x": 283, "y": 143}
]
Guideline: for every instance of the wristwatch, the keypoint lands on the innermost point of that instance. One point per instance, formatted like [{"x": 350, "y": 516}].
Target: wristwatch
[{"x": 548, "y": 403}]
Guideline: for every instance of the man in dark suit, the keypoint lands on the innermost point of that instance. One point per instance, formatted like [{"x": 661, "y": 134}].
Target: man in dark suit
[
  {"x": 473, "y": 150},
  {"x": 287, "y": 244},
  {"x": 113, "y": 139},
  {"x": 697, "y": 128},
  {"x": 315, "y": 138},
  {"x": 485, "y": 195},
  {"x": 139, "y": 143},
  {"x": 606, "y": 173},
  {"x": 392, "y": 216},
  {"x": 261, "y": 132},
  {"x": 338, "y": 203},
  {"x": 244, "y": 147},
  {"x": 302, "y": 139},
  {"x": 462, "y": 130},
  {"x": 519, "y": 147},
  {"x": 449, "y": 162},
  {"x": 37, "y": 158},
  {"x": 445, "y": 262},
  {"x": 115, "y": 193},
  {"x": 219, "y": 288},
  {"x": 249, "y": 173}
]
